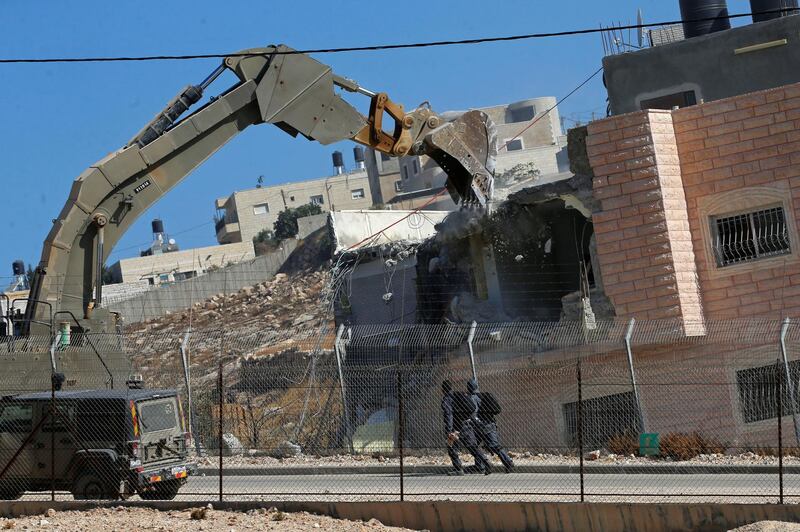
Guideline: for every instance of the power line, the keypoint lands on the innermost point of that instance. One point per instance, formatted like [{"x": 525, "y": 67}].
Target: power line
[{"x": 381, "y": 47}]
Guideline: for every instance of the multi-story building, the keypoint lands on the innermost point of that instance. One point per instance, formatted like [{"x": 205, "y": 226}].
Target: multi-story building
[
  {"x": 245, "y": 213},
  {"x": 180, "y": 265},
  {"x": 701, "y": 61},
  {"x": 414, "y": 180}
]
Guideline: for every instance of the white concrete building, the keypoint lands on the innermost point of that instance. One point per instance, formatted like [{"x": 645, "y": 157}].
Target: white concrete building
[
  {"x": 544, "y": 144},
  {"x": 180, "y": 265},
  {"x": 245, "y": 213}
]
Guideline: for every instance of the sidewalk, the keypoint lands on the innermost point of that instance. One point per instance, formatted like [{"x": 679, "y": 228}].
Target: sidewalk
[{"x": 589, "y": 469}]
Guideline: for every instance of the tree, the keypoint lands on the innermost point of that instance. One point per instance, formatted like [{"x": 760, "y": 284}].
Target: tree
[
  {"x": 264, "y": 242},
  {"x": 286, "y": 224}
]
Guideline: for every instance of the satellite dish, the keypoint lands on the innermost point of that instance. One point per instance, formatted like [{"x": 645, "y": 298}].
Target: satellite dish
[{"x": 640, "y": 32}]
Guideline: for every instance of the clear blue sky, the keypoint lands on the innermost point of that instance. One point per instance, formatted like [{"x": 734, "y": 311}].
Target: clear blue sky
[{"x": 60, "y": 118}]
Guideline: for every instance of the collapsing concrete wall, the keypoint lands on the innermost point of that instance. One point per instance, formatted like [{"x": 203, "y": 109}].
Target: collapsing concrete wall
[{"x": 533, "y": 258}]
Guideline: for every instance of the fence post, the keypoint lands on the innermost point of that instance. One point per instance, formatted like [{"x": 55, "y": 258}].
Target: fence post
[
  {"x": 221, "y": 403},
  {"x": 579, "y": 420},
  {"x": 470, "y": 338},
  {"x": 401, "y": 431},
  {"x": 337, "y": 346},
  {"x": 780, "y": 431},
  {"x": 629, "y": 350},
  {"x": 792, "y": 398},
  {"x": 184, "y": 349},
  {"x": 52, "y": 435}
]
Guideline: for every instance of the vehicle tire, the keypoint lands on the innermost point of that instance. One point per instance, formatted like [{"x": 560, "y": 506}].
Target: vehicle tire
[
  {"x": 93, "y": 486},
  {"x": 163, "y": 491}
]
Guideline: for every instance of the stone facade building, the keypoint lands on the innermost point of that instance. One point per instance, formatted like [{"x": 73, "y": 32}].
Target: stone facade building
[
  {"x": 698, "y": 208},
  {"x": 245, "y": 213}
]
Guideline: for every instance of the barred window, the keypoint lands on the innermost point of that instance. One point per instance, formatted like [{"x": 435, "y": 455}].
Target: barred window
[
  {"x": 750, "y": 236},
  {"x": 603, "y": 418},
  {"x": 758, "y": 390}
]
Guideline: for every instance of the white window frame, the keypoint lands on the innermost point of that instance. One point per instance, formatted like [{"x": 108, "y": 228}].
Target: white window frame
[
  {"x": 398, "y": 186},
  {"x": 357, "y": 193},
  {"x": 317, "y": 199},
  {"x": 260, "y": 209}
]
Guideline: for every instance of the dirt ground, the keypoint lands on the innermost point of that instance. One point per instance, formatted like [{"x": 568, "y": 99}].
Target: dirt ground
[
  {"x": 126, "y": 519},
  {"x": 769, "y": 526}
]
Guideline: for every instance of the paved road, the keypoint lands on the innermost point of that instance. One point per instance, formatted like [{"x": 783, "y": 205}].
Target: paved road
[
  {"x": 499, "y": 486},
  {"x": 515, "y": 486}
]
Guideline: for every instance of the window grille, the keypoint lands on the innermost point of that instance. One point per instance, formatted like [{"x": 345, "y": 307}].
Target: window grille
[
  {"x": 758, "y": 390},
  {"x": 750, "y": 236},
  {"x": 317, "y": 200},
  {"x": 357, "y": 193},
  {"x": 603, "y": 418}
]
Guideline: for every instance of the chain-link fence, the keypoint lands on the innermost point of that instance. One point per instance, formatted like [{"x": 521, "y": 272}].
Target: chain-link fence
[{"x": 647, "y": 411}]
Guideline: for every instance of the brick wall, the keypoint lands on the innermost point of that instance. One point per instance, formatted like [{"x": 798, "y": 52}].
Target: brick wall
[
  {"x": 643, "y": 241},
  {"x": 660, "y": 174}
]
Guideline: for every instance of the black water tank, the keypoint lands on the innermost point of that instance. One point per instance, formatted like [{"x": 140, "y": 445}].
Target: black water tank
[
  {"x": 760, "y": 6},
  {"x": 158, "y": 226},
  {"x": 338, "y": 160},
  {"x": 693, "y": 10},
  {"x": 19, "y": 267},
  {"x": 358, "y": 153}
]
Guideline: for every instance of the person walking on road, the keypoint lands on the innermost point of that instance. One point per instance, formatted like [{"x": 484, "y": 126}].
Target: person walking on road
[
  {"x": 486, "y": 426},
  {"x": 460, "y": 431}
]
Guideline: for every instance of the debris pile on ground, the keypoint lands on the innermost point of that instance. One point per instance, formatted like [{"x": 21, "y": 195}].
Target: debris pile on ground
[
  {"x": 769, "y": 526},
  {"x": 205, "y": 518},
  {"x": 283, "y": 301},
  {"x": 247, "y": 319}
]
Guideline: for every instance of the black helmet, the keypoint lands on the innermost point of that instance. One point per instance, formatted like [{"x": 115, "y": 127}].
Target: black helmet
[
  {"x": 472, "y": 385},
  {"x": 447, "y": 386}
]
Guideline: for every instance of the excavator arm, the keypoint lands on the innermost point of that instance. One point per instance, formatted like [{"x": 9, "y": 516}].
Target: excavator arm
[{"x": 276, "y": 85}]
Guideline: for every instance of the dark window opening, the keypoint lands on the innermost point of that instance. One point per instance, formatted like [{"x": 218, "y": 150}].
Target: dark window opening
[
  {"x": 521, "y": 114},
  {"x": 602, "y": 418},
  {"x": 679, "y": 99},
  {"x": 514, "y": 145},
  {"x": 758, "y": 390}
]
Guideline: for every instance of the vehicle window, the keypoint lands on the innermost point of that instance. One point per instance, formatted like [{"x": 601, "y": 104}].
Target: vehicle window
[
  {"x": 158, "y": 415},
  {"x": 16, "y": 417},
  {"x": 101, "y": 421}
]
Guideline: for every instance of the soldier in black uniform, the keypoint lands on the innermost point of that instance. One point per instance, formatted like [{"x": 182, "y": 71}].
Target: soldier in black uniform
[
  {"x": 465, "y": 435},
  {"x": 486, "y": 427}
]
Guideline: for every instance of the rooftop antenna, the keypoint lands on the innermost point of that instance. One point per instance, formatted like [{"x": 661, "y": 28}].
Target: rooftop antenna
[{"x": 640, "y": 29}]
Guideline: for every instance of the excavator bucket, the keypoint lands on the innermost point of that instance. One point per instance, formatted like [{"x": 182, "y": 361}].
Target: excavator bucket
[{"x": 466, "y": 148}]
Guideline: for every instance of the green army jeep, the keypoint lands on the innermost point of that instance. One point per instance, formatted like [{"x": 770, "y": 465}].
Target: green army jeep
[{"x": 101, "y": 444}]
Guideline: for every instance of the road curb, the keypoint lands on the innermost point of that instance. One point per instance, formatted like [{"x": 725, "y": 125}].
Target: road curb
[{"x": 611, "y": 469}]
